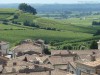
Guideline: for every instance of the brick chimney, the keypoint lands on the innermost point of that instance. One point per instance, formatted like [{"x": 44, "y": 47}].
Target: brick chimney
[
  {"x": 75, "y": 58},
  {"x": 49, "y": 72}
]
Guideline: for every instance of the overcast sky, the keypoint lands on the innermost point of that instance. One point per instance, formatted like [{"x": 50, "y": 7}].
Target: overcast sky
[{"x": 49, "y": 1}]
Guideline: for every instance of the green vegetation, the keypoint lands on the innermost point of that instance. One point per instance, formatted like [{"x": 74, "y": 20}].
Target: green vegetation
[
  {"x": 5, "y": 13},
  {"x": 27, "y": 8},
  {"x": 71, "y": 33},
  {"x": 94, "y": 45}
]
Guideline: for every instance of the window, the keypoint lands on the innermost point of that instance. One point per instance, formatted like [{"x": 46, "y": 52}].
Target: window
[
  {"x": 88, "y": 71},
  {"x": 72, "y": 72},
  {"x": 14, "y": 63}
]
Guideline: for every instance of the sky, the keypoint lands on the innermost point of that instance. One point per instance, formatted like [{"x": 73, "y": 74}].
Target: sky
[{"x": 49, "y": 1}]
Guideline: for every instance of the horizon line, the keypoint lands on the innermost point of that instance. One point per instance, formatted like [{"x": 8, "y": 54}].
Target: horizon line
[{"x": 51, "y": 3}]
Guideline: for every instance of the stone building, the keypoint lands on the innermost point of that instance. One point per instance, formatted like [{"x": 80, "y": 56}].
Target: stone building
[
  {"x": 88, "y": 67},
  {"x": 4, "y": 48},
  {"x": 71, "y": 67},
  {"x": 28, "y": 47}
]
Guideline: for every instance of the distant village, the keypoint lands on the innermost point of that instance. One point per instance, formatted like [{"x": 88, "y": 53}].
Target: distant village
[{"x": 28, "y": 58}]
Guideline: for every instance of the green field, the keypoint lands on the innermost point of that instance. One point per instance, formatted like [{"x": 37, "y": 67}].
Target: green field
[
  {"x": 71, "y": 29},
  {"x": 5, "y": 13}
]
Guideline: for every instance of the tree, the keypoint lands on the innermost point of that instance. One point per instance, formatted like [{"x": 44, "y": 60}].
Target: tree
[
  {"x": 15, "y": 16},
  {"x": 27, "y": 8},
  {"x": 46, "y": 51},
  {"x": 97, "y": 33},
  {"x": 95, "y": 23},
  {"x": 68, "y": 47},
  {"x": 27, "y": 23},
  {"x": 94, "y": 45}
]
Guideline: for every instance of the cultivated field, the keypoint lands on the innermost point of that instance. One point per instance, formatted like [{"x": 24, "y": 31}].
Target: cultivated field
[{"x": 69, "y": 30}]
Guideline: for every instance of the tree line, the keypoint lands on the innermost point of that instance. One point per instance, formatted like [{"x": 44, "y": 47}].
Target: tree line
[{"x": 96, "y": 23}]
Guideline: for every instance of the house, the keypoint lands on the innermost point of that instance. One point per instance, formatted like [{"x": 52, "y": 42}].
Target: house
[
  {"x": 71, "y": 67},
  {"x": 73, "y": 52},
  {"x": 60, "y": 72},
  {"x": 62, "y": 53},
  {"x": 3, "y": 60},
  {"x": 88, "y": 67},
  {"x": 29, "y": 47},
  {"x": 71, "y": 57},
  {"x": 86, "y": 54},
  {"x": 4, "y": 48},
  {"x": 40, "y": 59},
  {"x": 21, "y": 66},
  {"x": 26, "y": 49},
  {"x": 34, "y": 73},
  {"x": 60, "y": 62}
]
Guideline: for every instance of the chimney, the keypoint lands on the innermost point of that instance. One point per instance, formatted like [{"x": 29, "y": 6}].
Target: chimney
[
  {"x": 93, "y": 53},
  {"x": 98, "y": 45},
  {"x": 49, "y": 72},
  {"x": 93, "y": 58},
  {"x": 14, "y": 63},
  {"x": 25, "y": 59},
  {"x": 69, "y": 52},
  {"x": 75, "y": 58}
]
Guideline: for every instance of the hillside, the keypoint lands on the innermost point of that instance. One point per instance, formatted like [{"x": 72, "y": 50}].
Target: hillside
[
  {"x": 58, "y": 7},
  {"x": 58, "y": 32}
]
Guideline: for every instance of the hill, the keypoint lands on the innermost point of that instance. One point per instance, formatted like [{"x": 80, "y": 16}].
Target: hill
[
  {"x": 57, "y": 33},
  {"x": 58, "y": 7}
]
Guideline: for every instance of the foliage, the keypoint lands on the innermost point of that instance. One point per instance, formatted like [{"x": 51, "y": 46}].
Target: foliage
[
  {"x": 27, "y": 8},
  {"x": 94, "y": 45},
  {"x": 68, "y": 47},
  {"x": 46, "y": 51},
  {"x": 97, "y": 33},
  {"x": 95, "y": 23},
  {"x": 27, "y": 23},
  {"x": 15, "y": 16},
  {"x": 71, "y": 33}
]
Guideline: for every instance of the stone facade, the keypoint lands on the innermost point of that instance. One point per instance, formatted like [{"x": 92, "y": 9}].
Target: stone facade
[{"x": 4, "y": 47}]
